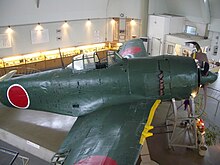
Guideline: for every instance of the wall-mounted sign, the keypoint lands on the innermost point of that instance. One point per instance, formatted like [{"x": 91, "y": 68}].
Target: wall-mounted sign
[
  {"x": 5, "y": 41},
  {"x": 215, "y": 50},
  {"x": 39, "y": 36}
]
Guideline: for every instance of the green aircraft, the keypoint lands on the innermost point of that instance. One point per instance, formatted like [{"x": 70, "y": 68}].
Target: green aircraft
[{"x": 114, "y": 99}]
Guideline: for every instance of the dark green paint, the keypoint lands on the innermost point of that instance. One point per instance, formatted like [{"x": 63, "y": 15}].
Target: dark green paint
[
  {"x": 115, "y": 96},
  {"x": 101, "y": 138},
  {"x": 131, "y": 80}
]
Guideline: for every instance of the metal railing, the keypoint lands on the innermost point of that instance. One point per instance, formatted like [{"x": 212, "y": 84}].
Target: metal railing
[
  {"x": 15, "y": 156},
  {"x": 215, "y": 95}
]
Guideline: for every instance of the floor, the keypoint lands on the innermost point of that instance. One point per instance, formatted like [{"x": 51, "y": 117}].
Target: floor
[
  {"x": 41, "y": 128},
  {"x": 35, "y": 125},
  {"x": 158, "y": 144},
  {"x": 49, "y": 130},
  {"x": 5, "y": 159},
  {"x": 160, "y": 152}
]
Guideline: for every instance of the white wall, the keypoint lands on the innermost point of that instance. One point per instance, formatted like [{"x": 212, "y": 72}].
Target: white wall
[
  {"x": 14, "y": 12},
  {"x": 215, "y": 24},
  {"x": 23, "y": 16},
  {"x": 214, "y": 29},
  {"x": 196, "y": 15},
  {"x": 201, "y": 27},
  {"x": 130, "y": 8},
  {"x": 215, "y": 41},
  {"x": 188, "y": 8},
  {"x": 157, "y": 7},
  {"x": 192, "y": 10},
  {"x": 77, "y": 33}
]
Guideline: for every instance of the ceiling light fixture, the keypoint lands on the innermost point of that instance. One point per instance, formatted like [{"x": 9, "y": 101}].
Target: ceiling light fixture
[
  {"x": 38, "y": 27},
  {"x": 9, "y": 30},
  {"x": 88, "y": 23},
  {"x": 132, "y": 22},
  {"x": 113, "y": 20},
  {"x": 65, "y": 24}
]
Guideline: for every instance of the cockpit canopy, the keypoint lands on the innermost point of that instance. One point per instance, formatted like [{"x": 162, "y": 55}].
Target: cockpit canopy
[{"x": 92, "y": 61}]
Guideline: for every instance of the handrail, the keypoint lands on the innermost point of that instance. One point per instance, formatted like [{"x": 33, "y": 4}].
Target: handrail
[
  {"x": 10, "y": 152},
  {"x": 15, "y": 155}
]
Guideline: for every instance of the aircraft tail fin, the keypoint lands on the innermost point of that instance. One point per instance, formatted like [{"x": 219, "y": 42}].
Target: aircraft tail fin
[
  {"x": 8, "y": 75},
  {"x": 132, "y": 49}
]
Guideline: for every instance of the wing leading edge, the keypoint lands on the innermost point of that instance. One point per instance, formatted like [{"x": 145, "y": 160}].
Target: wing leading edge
[{"x": 110, "y": 136}]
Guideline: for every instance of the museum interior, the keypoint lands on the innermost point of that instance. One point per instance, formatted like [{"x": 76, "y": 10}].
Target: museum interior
[{"x": 64, "y": 46}]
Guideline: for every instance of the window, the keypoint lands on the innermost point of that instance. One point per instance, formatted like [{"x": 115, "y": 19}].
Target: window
[
  {"x": 170, "y": 49},
  {"x": 190, "y": 30}
]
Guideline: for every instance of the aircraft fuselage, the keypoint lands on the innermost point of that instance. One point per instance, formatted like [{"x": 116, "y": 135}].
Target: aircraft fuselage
[{"x": 77, "y": 93}]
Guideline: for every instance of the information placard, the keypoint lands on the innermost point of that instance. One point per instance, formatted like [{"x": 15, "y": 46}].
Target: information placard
[
  {"x": 39, "y": 36},
  {"x": 5, "y": 41}
]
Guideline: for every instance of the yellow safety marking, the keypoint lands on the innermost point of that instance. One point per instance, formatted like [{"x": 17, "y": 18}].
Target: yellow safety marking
[
  {"x": 194, "y": 55},
  {"x": 145, "y": 133}
]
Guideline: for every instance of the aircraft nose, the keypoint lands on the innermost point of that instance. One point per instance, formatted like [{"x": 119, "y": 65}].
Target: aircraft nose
[{"x": 208, "y": 79}]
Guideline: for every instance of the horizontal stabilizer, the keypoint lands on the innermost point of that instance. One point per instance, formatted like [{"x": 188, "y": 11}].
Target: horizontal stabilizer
[{"x": 8, "y": 75}]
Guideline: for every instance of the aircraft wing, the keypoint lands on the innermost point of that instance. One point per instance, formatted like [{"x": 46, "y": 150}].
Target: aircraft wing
[{"x": 112, "y": 135}]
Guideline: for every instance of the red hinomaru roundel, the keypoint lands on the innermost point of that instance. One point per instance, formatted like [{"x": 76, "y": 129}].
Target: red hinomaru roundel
[
  {"x": 18, "y": 96},
  {"x": 131, "y": 50},
  {"x": 97, "y": 159}
]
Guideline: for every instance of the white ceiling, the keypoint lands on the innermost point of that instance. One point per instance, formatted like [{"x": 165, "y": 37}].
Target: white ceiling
[
  {"x": 192, "y": 7},
  {"x": 189, "y": 8},
  {"x": 215, "y": 8},
  {"x": 14, "y": 12}
]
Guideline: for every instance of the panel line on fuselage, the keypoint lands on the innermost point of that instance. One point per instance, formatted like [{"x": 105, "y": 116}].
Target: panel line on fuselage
[{"x": 129, "y": 81}]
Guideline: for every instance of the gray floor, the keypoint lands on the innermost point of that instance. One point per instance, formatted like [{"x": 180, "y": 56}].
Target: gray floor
[
  {"x": 5, "y": 159},
  {"x": 45, "y": 129},
  {"x": 160, "y": 152},
  {"x": 158, "y": 144}
]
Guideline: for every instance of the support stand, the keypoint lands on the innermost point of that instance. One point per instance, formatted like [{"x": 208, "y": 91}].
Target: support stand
[{"x": 182, "y": 126}]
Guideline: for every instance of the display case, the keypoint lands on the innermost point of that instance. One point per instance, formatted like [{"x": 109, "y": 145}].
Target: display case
[
  {"x": 13, "y": 61},
  {"x": 1, "y": 63},
  {"x": 50, "y": 59},
  {"x": 66, "y": 52},
  {"x": 34, "y": 57},
  {"x": 2, "y": 67}
]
